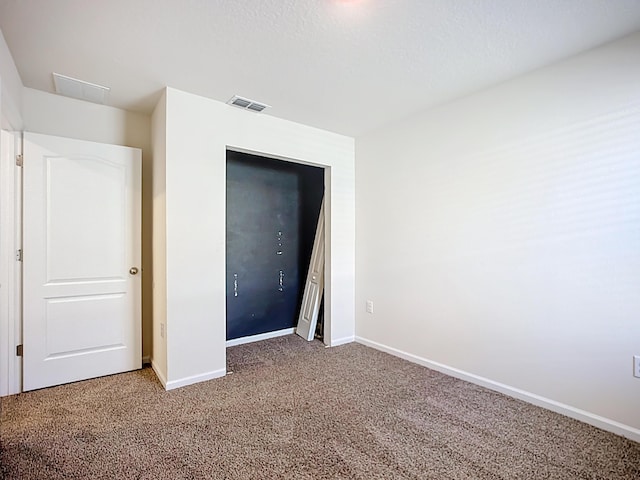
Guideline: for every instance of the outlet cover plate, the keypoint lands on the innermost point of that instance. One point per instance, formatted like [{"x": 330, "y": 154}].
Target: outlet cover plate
[
  {"x": 636, "y": 366},
  {"x": 369, "y": 306}
]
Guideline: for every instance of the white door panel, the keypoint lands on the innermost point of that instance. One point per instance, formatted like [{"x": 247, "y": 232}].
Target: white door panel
[
  {"x": 82, "y": 323},
  {"x": 314, "y": 284},
  {"x": 101, "y": 184},
  {"x": 82, "y": 315}
]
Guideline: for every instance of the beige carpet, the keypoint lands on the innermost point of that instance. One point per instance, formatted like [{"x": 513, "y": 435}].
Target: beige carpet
[{"x": 299, "y": 411}]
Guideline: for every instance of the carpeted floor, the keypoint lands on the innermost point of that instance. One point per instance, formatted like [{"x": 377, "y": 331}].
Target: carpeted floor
[{"x": 296, "y": 410}]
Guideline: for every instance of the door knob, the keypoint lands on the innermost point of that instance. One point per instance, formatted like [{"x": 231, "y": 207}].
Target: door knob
[{"x": 133, "y": 270}]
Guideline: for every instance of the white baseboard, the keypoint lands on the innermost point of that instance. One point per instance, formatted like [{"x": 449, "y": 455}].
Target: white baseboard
[
  {"x": 146, "y": 360},
  {"x": 261, "y": 336},
  {"x": 159, "y": 374},
  {"x": 342, "y": 341},
  {"x": 203, "y": 377},
  {"x": 567, "y": 410}
]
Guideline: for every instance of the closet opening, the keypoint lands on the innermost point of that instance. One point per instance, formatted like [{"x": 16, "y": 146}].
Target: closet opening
[{"x": 272, "y": 209}]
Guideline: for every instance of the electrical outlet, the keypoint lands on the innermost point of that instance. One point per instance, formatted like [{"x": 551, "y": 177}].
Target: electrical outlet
[
  {"x": 162, "y": 330},
  {"x": 636, "y": 366},
  {"x": 369, "y": 306}
]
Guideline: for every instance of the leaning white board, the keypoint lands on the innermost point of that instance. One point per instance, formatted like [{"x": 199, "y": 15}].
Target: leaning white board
[
  {"x": 81, "y": 265},
  {"x": 314, "y": 285}
]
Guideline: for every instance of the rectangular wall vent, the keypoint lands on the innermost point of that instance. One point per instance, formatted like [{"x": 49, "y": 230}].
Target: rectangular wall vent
[
  {"x": 247, "y": 104},
  {"x": 256, "y": 107},
  {"x": 74, "y": 88}
]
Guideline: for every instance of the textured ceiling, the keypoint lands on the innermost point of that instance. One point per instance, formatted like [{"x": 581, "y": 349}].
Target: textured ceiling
[{"x": 345, "y": 66}]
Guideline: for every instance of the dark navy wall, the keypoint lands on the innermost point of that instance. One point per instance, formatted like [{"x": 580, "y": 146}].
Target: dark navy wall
[{"x": 272, "y": 211}]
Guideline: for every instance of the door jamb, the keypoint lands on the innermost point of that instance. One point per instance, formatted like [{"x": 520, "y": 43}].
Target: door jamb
[{"x": 11, "y": 271}]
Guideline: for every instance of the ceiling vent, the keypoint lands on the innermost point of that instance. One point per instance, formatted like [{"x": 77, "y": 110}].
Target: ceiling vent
[
  {"x": 74, "y": 88},
  {"x": 246, "y": 104}
]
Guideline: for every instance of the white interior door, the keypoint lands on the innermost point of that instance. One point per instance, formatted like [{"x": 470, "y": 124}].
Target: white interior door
[
  {"x": 314, "y": 285},
  {"x": 81, "y": 263}
]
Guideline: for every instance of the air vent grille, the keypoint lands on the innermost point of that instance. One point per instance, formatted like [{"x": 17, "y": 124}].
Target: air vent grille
[
  {"x": 256, "y": 107},
  {"x": 247, "y": 104},
  {"x": 240, "y": 102},
  {"x": 74, "y": 88}
]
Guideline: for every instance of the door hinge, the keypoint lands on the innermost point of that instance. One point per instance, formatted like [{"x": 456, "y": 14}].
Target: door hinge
[
  {"x": 19, "y": 350},
  {"x": 19, "y": 160},
  {"x": 19, "y": 255}
]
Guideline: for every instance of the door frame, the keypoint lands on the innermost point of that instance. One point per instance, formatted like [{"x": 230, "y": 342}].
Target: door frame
[
  {"x": 326, "y": 333},
  {"x": 10, "y": 267}
]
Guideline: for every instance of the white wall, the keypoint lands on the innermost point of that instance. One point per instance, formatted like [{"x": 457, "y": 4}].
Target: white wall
[
  {"x": 198, "y": 133},
  {"x": 53, "y": 114},
  {"x": 498, "y": 236},
  {"x": 159, "y": 229},
  {"x": 67, "y": 117},
  {"x": 11, "y": 91}
]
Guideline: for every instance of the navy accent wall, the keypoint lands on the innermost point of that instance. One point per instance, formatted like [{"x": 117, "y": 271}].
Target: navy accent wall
[{"x": 272, "y": 211}]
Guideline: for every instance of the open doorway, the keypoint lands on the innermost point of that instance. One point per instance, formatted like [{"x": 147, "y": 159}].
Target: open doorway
[{"x": 272, "y": 209}]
